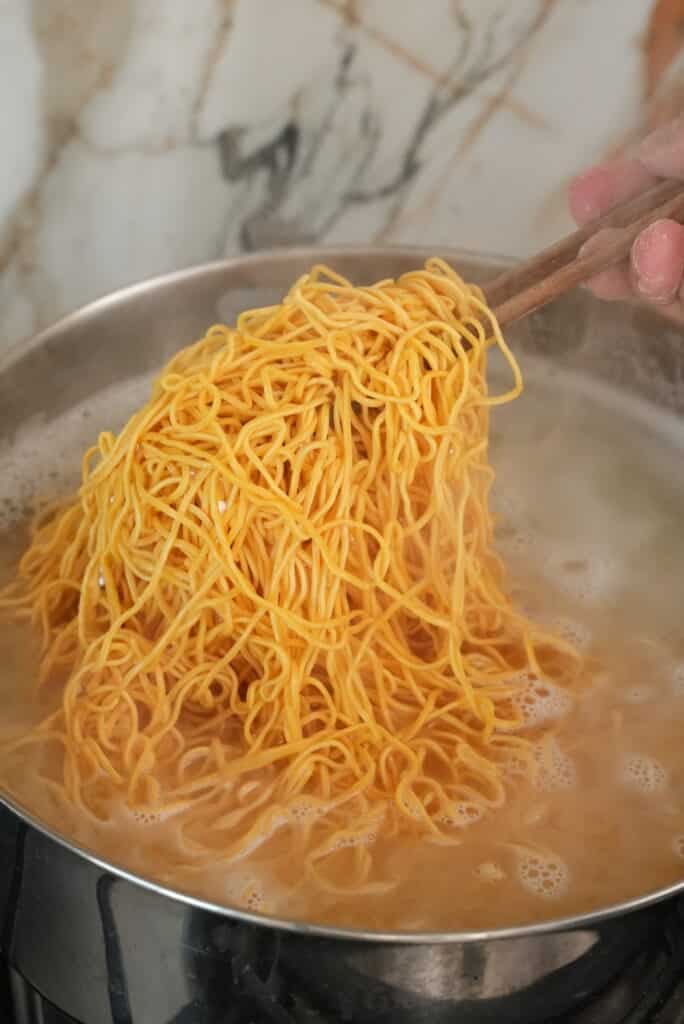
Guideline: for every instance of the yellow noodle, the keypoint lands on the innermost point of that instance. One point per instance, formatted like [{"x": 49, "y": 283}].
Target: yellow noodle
[{"x": 276, "y": 589}]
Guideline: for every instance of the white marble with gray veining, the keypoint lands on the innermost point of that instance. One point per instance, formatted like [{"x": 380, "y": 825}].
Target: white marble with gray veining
[{"x": 141, "y": 136}]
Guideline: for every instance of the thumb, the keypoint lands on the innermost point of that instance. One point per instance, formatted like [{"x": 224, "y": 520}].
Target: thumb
[{"x": 662, "y": 152}]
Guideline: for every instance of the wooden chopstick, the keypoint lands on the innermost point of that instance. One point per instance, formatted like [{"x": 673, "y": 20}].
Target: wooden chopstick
[{"x": 546, "y": 276}]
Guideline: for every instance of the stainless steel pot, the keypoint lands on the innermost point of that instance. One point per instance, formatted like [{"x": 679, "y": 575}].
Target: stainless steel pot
[{"x": 109, "y": 948}]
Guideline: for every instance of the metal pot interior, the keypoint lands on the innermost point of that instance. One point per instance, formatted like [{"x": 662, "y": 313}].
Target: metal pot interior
[{"x": 93, "y": 362}]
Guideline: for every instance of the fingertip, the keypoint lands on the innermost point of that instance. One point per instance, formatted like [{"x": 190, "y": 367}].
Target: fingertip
[
  {"x": 584, "y": 195},
  {"x": 657, "y": 260},
  {"x": 602, "y": 187}
]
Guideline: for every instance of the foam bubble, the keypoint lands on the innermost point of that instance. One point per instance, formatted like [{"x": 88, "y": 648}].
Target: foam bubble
[
  {"x": 147, "y": 817},
  {"x": 462, "y": 814},
  {"x": 366, "y": 835},
  {"x": 583, "y": 574},
  {"x": 490, "y": 871},
  {"x": 576, "y": 633},
  {"x": 540, "y": 700},
  {"x": 304, "y": 810},
  {"x": 545, "y": 875},
  {"x": 153, "y": 817},
  {"x": 643, "y": 773},
  {"x": 556, "y": 770},
  {"x": 678, "y": 846},
  {"x": 246, "y": 891},
  {"x": 514, "y": 766},
  {"x": 255, "y": 901},
  {"x": 347, "y": 841}
]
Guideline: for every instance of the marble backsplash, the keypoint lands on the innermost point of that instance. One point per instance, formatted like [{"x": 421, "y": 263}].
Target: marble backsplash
[{"x": 141, "y": 136}]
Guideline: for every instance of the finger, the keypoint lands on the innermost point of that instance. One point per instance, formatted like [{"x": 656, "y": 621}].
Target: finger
[
  {"x": 657, "y": 261},
  {"x": 602, "y": 187},
  {"x": 662, "y": 152},
  {"x": 614, "y": 283}
]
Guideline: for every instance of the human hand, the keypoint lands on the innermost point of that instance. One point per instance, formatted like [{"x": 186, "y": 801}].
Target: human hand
[{"x": 655, "y": 272}]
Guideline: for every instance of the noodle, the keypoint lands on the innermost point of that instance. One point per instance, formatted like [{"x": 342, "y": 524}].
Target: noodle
[{"x": 275, "y": 598}]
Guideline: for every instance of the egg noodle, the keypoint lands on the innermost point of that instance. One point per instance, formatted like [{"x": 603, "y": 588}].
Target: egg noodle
[{"x": 275, "y": 600}]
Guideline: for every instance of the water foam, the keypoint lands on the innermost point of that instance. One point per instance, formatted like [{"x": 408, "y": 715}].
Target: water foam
[
  {"x": 510, "y": 506},
  {"x": 545, "y": 875},
  {"x": 490, "y": 871},
  {"x": 304, "y": 810},
  {"x": 678, "y": 846},
  {"x": 643, "y": 774},
  {"x": 540, "y": 700},
  {"x": 556, "y": 770},
  {"x": 462, "y": 814},
  {"x": 348, "y": 842},
  {"x": 147, "y": 815},
  {"x": 576, "y": 633},
  {"x": 514, "y": 766},
  {"x": 246, "y": 891},
  {"x": 33, "y": 466},
  {"x": 584, "y": 574}
]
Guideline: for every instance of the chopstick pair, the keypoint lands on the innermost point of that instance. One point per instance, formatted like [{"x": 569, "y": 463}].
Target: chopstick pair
[{"x": 544, "y": 277}]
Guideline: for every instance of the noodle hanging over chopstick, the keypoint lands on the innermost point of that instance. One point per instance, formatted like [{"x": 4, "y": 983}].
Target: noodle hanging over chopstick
[{"x": 275, "y": 599}]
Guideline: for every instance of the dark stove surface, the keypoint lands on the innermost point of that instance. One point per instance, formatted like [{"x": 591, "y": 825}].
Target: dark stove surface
[{"x": 649, "y": 991}]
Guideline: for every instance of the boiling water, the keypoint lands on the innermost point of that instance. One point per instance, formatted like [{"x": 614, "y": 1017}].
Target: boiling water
[{"x": 590, "y": 507}]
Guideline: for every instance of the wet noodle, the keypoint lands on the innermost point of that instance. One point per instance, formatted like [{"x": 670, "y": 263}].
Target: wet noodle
[{"x": 274, "y": 602}]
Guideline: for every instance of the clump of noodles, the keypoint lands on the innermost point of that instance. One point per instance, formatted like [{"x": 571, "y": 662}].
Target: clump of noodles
[{"x": 275, "y": 602}]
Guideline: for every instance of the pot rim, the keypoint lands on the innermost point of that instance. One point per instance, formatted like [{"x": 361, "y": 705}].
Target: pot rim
[{"x": 308, "y": 254}]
